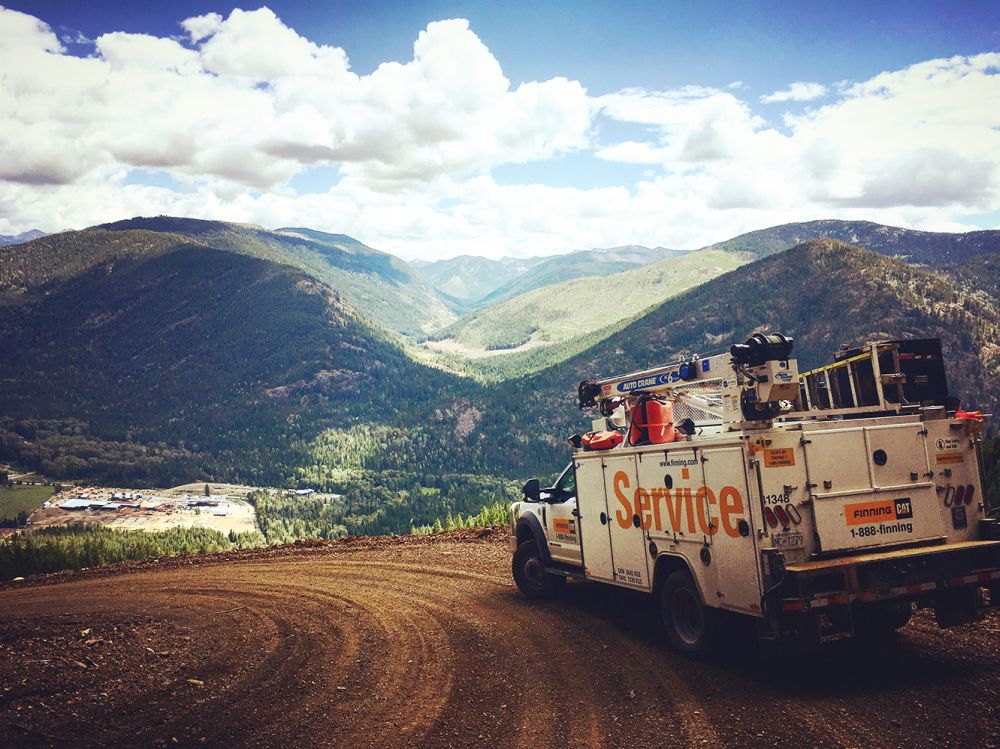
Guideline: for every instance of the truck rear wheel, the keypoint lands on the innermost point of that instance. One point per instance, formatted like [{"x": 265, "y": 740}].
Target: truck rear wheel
[
  {"x": 691, "y": 627},
  {"x": 530, "y": 574}
]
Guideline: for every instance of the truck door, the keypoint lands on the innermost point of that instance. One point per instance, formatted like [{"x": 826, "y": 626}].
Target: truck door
[
  {"x": 563, "y": 521},
  {"x": 733, "y": 549},
  {"x": 624, "y": 518}
]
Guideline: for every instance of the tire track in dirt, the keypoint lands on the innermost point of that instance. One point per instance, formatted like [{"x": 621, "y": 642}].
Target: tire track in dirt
[{"x": 430, "y": 644}]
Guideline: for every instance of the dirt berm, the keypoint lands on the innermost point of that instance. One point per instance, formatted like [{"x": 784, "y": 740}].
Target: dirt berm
[{"x": 426, "y": 642}]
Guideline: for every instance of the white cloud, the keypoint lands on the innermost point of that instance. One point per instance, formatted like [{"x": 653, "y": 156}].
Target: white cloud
[
  {"x": 77, "y": 37},
  {"x": 253, "y": 102},
  {"x": 796, "y": 92},
  {"x": 923, "y": 142},
  {"x": 238, "y": 107},
  {"x": 21, "y": 32},
  {"x": 202, "y": 27}
]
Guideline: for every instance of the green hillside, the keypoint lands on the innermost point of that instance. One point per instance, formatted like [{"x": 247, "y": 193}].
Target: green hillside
[
  {"x": 381, "y": 286},
  {"x": 581, "y": 264},
  {"x": 920, "y": 247},
  {"x": 475, "y": 282},
  {"x": 823, "y": 293},
  {"x": 467, "y": 279},
  {"x": 184, "y": 362},
  {"x": 981, "y": 272},
  {"x": 58, "y": 257},
  {"x": 572, "y": 311}
]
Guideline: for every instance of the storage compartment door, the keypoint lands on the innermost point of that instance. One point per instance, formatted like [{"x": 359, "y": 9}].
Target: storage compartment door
[
  {"x": 871, "y": 487},
  {"x": 733, "y": 553},
  {"x": 628, "y": 540},
  {"x": 595, "y": 534}
]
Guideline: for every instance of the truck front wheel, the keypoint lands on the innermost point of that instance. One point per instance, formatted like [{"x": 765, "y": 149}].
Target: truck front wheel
[
  {"x": 691, "y": 627},
  {"x": 530, "y": 574}
]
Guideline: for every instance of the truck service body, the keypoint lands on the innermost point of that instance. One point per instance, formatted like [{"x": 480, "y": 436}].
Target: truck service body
[{"x": 820, "y": 520}]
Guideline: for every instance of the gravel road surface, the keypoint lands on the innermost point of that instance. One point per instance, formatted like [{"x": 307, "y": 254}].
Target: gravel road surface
[{"x": 426, "y": 642}]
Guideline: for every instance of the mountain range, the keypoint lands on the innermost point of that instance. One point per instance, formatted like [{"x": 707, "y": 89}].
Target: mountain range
[
  {"x": 918, "y": 247},
  {"x": 381, "y": 286},
  {"x": 24, "y": 236},
  {"x": 161, "y": 350},
  {"x": 538, "y": 328},
  {"x": 472, "y": 282}
]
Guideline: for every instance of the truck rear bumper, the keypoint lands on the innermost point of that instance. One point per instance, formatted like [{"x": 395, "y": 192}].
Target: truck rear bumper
[{"x": 921, "y": 573}]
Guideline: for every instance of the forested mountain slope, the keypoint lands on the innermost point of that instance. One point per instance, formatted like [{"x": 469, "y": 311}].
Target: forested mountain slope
[
  {"x": 981, "y": 272},
  {"x": 381, "y": 286},
  {"x": 566, "y": 310},
  {"x": 476, "y": 282},
  {"x": 145, "y": 358},
  {"x": 187, "y": 343},
  {"x": 920, "y": 247},
  {"x": 823, "y": 293}
]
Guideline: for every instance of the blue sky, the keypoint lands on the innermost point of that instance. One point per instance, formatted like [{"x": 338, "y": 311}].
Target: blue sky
[
  {"x": 648, "y": 122},
  {"x": 611, "y": 45}
]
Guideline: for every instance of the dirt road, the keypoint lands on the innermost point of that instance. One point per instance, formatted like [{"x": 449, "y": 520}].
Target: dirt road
[{"x": 426, "y": 642}]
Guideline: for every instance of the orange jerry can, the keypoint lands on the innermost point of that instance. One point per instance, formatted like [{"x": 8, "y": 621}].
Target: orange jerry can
[{"x": 652, "y": 422}]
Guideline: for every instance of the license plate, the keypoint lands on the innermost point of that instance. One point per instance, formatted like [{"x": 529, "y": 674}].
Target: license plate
[{"x": 788, "y": 540}]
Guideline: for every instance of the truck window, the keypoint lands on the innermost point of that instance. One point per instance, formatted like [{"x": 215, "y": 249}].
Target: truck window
[{"x": 565, "y": 487}]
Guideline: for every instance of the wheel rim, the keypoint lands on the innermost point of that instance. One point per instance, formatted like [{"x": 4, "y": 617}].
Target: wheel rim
[
  {"x": 534, "y": 572},
  {"x": 685, "y": 611}
]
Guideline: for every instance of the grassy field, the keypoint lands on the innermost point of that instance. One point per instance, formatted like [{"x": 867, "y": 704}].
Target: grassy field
[{"x": 17, "y": 499}]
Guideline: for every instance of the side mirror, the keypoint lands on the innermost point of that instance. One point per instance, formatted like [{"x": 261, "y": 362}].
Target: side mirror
[{"x": 532, "y": 490}]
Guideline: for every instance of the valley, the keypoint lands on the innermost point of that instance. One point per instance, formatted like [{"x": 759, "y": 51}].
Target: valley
[{"x": 155, "y": 352}]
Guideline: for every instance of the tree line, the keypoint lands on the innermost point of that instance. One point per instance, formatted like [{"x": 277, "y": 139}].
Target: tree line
[{"x": 83, "y": 546}]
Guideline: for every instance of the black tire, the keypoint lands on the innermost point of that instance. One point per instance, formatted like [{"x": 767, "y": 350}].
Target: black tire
[
  {"x": 691, "y": 627},
  {"x": 530, "y": 575}
]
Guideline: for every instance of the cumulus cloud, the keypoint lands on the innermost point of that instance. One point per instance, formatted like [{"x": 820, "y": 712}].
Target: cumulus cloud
[
  {"x": 796, "y": 92},
  {"x": 201, "y": 27},
  {"x": 251, "y": 101},
  {"x": 237, "y": 107},
  {"x": 925, "y": 137}
]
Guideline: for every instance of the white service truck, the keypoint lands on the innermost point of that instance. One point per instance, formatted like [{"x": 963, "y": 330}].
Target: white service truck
[{"x": 824, "y": 505}]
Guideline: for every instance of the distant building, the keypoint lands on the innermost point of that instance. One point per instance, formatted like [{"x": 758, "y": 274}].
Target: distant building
[{"x": 79, "y": 503}]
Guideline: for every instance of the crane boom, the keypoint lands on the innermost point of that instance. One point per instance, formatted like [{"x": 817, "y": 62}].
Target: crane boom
[{"x": 757, "y": 381}]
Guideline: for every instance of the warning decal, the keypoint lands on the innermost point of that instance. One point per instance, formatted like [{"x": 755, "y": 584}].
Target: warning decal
[
  {"x": 949, "y": 458},
  {"x": 779, "y": 457},
  {"x": 949, "y": 451}
]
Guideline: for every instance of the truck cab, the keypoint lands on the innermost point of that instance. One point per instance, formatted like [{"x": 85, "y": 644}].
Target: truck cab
[{"x": 546, "y": 537}]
